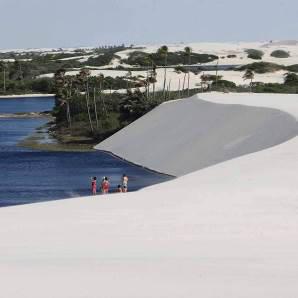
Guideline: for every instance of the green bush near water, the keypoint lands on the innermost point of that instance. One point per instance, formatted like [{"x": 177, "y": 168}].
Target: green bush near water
[
  {"x": 280, "y": 54},
  {"x": 262, "y": 67},
  {"x": 173, "y": 58},
  {"x": 224, "y": 84},
  {"x": 254, "y": 54},
  {"x": 293, "y": 68}
]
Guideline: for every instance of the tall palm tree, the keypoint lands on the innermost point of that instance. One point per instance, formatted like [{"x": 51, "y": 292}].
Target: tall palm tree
[
  {"x": 291, "y": 79},
  {"x": 68, "y": 84},
  {"x": 128, "y": 78},
  {"x": 4, "y": 69},
  {"x": 204, "y": 81},
  {"x": 188, "y": 51},
  {"x": 4, "y": 78},
  {"x": 62, "y": 91},
  {"x": 95, "y": 106},
  {"x": 153, "y": 78},
  {"x": 101, "y": 79},
  {"x": 163, "y": 51},
  {"x": 179, "y": 69},
  {"x": 169, "y": 88},
  {"x": 147, "y": 82},
  {"x": 249, "y": 75},
  {"x": 216, "y": 73},
  {"x": 84, "y": 78},
  {"x": 184, "y": 79}
]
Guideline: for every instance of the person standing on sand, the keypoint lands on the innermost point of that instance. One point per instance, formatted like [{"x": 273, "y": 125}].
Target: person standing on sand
[
  {"x": 124, "y": 183},
  {"x": 93, "y": 185},
  {"x": 105, "y": 185},
  {"x": 119, "y": 188}
]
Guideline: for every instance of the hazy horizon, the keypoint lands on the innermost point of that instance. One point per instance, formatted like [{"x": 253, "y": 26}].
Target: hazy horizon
[{"x": 66, "y": 23}]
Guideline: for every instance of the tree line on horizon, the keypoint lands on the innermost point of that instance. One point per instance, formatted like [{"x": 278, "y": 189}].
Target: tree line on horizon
[{"x": 83, "y": 99}]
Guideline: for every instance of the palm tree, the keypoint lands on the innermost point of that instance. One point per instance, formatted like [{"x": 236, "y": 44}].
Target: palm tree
[
  {"x": 184, "y": 78},
  {"x": 249, "y": 75},
  {"x": 62, "y": 89},
  {"x": 179, "y": 69},
  {"x": 188, "y": 51},
  {"x": 84, "y": 78},
  {"x": 204, "y": 81},
  {"x": 4, "y": 68},
  {"x": 128, "y": 77},
  {"x": 147, "y": 84},
  {"x": 216, "y": 74},
  {"x": 153, "y": 77},
  {"x": 169, "y": 88},
  {"x": 68, "y": 84},
  {"x": 291, "y": 79},
  {"x": 95, "y": 106},
  {"x": 101, "y": 79},
  {"x": 179, "y": 88},
  {"x": 163, "y": 51},
  {"x": 4, "y": 78}
]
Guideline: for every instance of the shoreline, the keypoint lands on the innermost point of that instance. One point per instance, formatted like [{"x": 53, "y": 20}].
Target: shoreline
[
  {"x": 25, "y": 95},
  {"x": 43, "y": 140},
  {"x": 135, "y": 164},
  {"x": 30, "y": 115}
]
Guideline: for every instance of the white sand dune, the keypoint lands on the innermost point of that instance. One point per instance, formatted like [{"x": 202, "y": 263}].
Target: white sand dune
[
  {"x": 223, "y": 49},
  {"x": 229, "y": 230},
  {"x": 186, "y": 135}
]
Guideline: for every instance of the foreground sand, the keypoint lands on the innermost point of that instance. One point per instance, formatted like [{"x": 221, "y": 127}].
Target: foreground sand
[{"x": 229, "y": 230}]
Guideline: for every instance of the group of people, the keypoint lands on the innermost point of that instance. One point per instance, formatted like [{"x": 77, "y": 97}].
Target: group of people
[{"x": 105, "y": 185}]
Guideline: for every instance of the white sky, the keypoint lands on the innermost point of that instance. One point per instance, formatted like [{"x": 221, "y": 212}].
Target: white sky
[{"x": 66, "y": 23}]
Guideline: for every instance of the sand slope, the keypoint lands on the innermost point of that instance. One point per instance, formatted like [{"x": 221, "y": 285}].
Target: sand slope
[{"x": 182, "y": 136}]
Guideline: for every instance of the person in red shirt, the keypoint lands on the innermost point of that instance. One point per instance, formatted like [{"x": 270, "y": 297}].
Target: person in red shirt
[{"x": 105, "y": 185}]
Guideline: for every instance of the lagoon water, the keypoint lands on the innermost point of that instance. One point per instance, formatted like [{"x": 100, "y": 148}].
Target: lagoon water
[{"x": 28, "y": 176}]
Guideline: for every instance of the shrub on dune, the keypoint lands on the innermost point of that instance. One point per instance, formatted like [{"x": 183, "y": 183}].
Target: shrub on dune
[
  {"x": 254, "y": 54},
  {"x": 280, "y": 54}
]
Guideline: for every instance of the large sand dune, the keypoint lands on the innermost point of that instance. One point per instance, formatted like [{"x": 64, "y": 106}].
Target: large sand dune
[
  {"x": 182, "y": 136},
  {"x": 229, "y": 230}
]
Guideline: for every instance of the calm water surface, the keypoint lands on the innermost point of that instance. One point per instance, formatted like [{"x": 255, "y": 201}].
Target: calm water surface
[{"x": 28, "y": 176}]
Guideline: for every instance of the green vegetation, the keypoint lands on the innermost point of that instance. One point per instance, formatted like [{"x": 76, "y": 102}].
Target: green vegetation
[
  {"x": 291, "y": 79},
  {"x": 254, "y": 54},
  {"x": 262, "y": 67},
  {"x": 267, "y": 67},
  {"x": 104, "y": 56},
  {"x": 280, "y": 54},
  {"x": 84, "y": 111},
  {"x": 224, "y": 85},
  {"x": 293, "y": 68},
  {"x": 249, "y": 75},
  {"x": 275, "y": 88},
  {"x": 210, "y": 78},
  {"x": 173, "y": 58},
  {"x": 180, "y": 69},
  {"x": 88, "y": 110},
  {"x": 22, "y": 76},
  {"x": 101, "y": 59}
]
